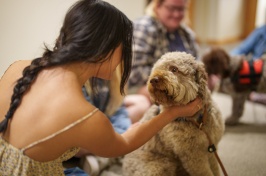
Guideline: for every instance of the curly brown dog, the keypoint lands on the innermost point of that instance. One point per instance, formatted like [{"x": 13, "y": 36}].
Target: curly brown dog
[
  {"x": 181, "y": 147},
  {"x": 239, "y": 76}
]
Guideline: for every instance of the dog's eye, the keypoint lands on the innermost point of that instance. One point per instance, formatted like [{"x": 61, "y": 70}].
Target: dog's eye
[{"x": 173, "y": 69}]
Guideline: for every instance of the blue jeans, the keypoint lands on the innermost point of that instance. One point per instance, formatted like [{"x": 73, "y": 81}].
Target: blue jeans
[
  {"x": 120, "y": 120},
  {"x": 75, "y": 171},
  {"x": 254, "y": 44}
]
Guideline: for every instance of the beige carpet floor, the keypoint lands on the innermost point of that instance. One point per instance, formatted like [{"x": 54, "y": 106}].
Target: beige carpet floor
[{"x": 243, "y": 147}]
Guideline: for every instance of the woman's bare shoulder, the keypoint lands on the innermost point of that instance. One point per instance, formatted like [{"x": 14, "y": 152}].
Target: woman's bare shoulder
[
  {"x": 16, "y": 68},
  {"x": 7, "y": 82}
]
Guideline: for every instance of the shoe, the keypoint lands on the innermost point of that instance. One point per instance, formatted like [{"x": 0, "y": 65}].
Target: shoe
[
  {"x": 103, "y": 162},
  {"x": 258, "y": 97},
  {"x": 93, "y": 165}
]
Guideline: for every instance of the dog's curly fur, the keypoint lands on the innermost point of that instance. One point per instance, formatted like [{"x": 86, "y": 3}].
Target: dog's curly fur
[
  {"x": 180, "y": 148},
  {"x": 218, "y": 62}
]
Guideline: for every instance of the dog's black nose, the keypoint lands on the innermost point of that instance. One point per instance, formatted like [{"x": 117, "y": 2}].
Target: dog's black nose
[{"x": 154, "y": 81}]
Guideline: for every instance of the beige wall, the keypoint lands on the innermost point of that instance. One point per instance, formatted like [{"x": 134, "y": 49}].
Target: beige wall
[
  {"x": 27, "y": 24},
  {"x": 261, "y": 13},
  {"x": 218, "y": 20}
]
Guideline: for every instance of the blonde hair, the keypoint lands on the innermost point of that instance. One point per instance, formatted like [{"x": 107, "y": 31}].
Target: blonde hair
[
  {"x": 116, "y": 99},
  {"x": 150, "y": 9}
]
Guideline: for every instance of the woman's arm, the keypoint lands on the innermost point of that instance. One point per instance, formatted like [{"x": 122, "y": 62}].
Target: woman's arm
[{"x": 101, "y": 139}]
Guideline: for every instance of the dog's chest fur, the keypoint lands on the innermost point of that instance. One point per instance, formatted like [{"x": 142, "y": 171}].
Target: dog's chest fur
[
  {"x": 177, "y": 148},
  {"x": 182, "y": 134}
]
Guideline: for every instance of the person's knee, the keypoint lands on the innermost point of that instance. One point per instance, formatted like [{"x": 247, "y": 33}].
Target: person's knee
[
  {"x": 137, "y": 100},
  {"x": 136, "y": 106},
  {"x": 144, "y": 102}
]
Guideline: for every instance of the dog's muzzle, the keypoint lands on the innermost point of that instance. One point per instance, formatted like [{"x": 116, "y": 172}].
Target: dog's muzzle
[
  {"x": 157, "y": 83},
  {"x": 154, "y": 81}
]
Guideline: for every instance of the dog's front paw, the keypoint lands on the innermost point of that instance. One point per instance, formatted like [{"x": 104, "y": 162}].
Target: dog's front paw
[{"x": 231, "y": 121}]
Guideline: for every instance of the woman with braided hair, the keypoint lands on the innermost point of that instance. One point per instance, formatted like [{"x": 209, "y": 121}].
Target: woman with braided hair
[{"x": 44, "y": 115}]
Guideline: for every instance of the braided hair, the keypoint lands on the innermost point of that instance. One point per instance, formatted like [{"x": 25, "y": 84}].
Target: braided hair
[{"x": 92, "y": 29}]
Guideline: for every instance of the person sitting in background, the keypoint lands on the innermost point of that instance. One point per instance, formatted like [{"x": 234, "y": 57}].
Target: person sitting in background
[
  {"x": 44, "y": 116},
  {"x": 254, "y": 46},
  {"x": 159, "y": 31}
]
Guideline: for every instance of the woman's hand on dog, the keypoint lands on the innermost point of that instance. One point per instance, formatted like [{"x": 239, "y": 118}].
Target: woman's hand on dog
[{"x": 185, "y": 110}]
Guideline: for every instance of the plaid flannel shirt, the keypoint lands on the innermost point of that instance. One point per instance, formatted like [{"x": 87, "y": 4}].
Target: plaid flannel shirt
[{"x": 150, "y": 43}]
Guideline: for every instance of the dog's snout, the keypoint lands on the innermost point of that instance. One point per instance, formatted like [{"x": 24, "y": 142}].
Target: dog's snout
[{"x": 155, "y": 80}]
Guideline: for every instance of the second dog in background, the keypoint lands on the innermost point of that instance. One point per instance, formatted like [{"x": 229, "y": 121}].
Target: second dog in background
[{"x": 239, "y": 76}]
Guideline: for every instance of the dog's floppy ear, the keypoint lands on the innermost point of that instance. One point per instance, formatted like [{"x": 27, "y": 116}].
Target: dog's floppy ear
[{"x": 201, "y": 78}]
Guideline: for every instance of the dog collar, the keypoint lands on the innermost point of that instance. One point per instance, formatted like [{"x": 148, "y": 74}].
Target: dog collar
[{"x": 199, "y": 121}]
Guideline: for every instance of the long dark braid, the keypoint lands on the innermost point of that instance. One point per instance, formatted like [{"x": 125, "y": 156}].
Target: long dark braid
[
  {"x": 29, "y": 74},
  {"x": 92, "y": 29},
  {"x": 23, "y": 84}
]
